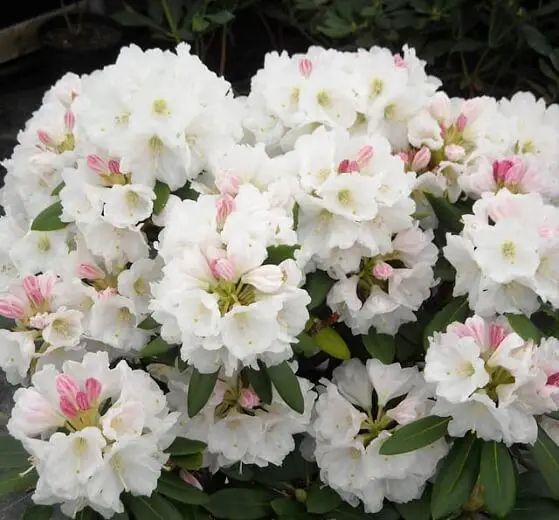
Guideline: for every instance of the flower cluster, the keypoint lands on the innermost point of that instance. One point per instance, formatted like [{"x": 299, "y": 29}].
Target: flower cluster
[{"x": 341, "y": 287}]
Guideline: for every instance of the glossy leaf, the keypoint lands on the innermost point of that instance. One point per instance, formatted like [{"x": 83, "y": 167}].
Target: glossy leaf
[
  {"x": 322, "y": 499},
  {"x": 380, "y": 346},
  {"x": 155, "y": 348},
  {"x": 12, "y": 453},
  {"x": 497, "y": 476},
  {"x": 287, "y": 385},
  {"x": 189, "y": 462},
  {"x": 277, "y": 254},
  {"x": 419, "y": 509},
  {"x": 151, "y": 508},
  {"x": 416, "y": 435},
  {"x": 456, "y": 310},
  {"x": 260, "y": 381},
  {"x": 546, "y": 456},
  {"x": 524, "y": 327},
  {"x": 200, "y": 389},
  {"x": 318, "y": 285},
  {"x": 17, "y": 481},
  {"x": 182, "y": 446},
  {"x": 35, "y": 512},
  {"x": 240, "y": 504},
  {"x": 330, "y": 342},
  {"x": 49, "y": 219},
  {"x": 162, "y": 192},
  {"x": 148, "y": 324},
  {"x": 449, "y": 216},
  {"x": 173, "y": 487}
]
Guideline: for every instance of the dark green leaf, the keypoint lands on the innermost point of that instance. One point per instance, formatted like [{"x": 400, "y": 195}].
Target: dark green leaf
[
  {"x": 121, "y": 516},
  {"x": 240, "y": 504},
  {"x": 155, "y": 348},
  {"x": 536, "y": 40},
  {"x": 456, "y": 478},
  {"x": 148, "y": 324},
  {"x": 321, "y": 499},
  {"x": 524, "y": 327},
  {"x": 86, "y": 514},
  {"x": 260, "y": 381},
  {"x": 380, "y": 346},
  {"x": 531, "y": 484},
  {"x": 162, "y": 192},
  {"x": 548, "y": 7},
  {"x": 287, "y": 507},
  {"x": 6, "y": 323},
  {"x": 240, "y": 472},
  {"x": 546, "y": 456},
  {"x": 16, "y": 481},
  {"x": 449, "y": 216},
  {"x": 49, "y": 219},
  {"x": 189, "y": 462},
  {"x": 37, "y": 513},
  {"x": 535, "y": 509},
  {"x": 329, "y": 341},
  {"x": 151, "y": 508},
  {"x": 456, "y": 310},
  {"x": 497, "y": 477},
  {"x": 182, "y": 446},
  {"x": 58, "y": 189},
  {"x": 416, "y": 435},
  {"x": 221, "y": 18},
  {"x": 318, "y": 285},
  {"x": 419, "y": 509},
  {"x": 287, "y": 385},
  {"x": 346, "y": 512},
  {"x": 12, "y": 453},
  {"x": 277, "y": 254},
  {"x": 199, "y": 390},
  {"x": 199, "y": 24},
  {"x": 173, "y": 487},
  {"x": 306, "y": 345}
]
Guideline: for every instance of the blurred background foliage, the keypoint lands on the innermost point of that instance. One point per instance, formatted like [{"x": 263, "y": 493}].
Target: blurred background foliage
[{"x": 477, "y": 47}]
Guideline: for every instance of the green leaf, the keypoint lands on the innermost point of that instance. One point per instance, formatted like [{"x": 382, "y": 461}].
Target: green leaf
[
  {"x": 306, "y": 345},
  {"x": 199, "y": 24},
  {"x": 151, "y": 508},
  {"x": 287, "y": 385},
  {"x": 199, "y": 390},
  {"x": 240, "y": 504},
  {"x": 173, "y": 487},
  {"x": 260, "y": 381},
  {"x": 346, "y": 512},
  {"x": 12, "y": 453},
  {"x": 121, "y": 516},
  {"x": 277, "y": 254},
  {"x": 419, "y": 509},
  {"x": 524, "y": 327},
  {"x": 240, "y": 472},
  {"x": 531, "y": 484},
  {"x": 329, "y": 341},
  {"x": 86, "y": 514},
  {"x": 546, "y": 456},
  {"x": 456, "y": 478},
  {"x": 286, "y": 507},
  {"x": 321, "y": 499},
  {"x": 6, "y": 323},
  {"x": 162, "y": 192},
  {"x": 16, "y": 481},
  {"x": 189, "y": 462},
  {"x": 318, "y": 285},
  {"x": 456, "y": 310},
  {"x": 416, "y": 435},
  {"x": 221, "y": 18},
  {"x": 497, "y": 477},
  {"x": 49, "y": 219},
  {"x": 535, "y": 509},
  {"x": 58, "y": 189},
  {"x": 380, "y": 346},
  {"x": 34, "y": 512},
  {"x": 155, "y": 348},
  {"x": 449, "y": 216},
  {"x": 536, "y": 40},
  {"x": 148, "y": 324},
  {"x": 182, "y": 446}
]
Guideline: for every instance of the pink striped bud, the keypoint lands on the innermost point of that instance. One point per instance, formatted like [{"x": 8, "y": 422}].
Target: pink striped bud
[
  {"x": 405, "y": 156},
  {"x": 228, "y": 184},
  {"x": 553, "y": 379},
  {"x": 93, "y": 388},
  {"x": 454, "y": 152},
  {"x": 67, "y": 387},
  {"x": 399, "y": 61},
  {"x": 224, "y": 206},
  {"x": 69, "y": 121},
  {"x": 45, "y": 138},
  {"x": 461, "y": 122},
  {"x": 190, "y": 479},
  {"x": 32, "y": 288},
  {"x": 90, "y": 272},
  {"x": 347, "y": 166},
  {"x": 106, "y": 294},
  {"x": 96, "y": 164},
  {"x": 305, "y": 67},
  {"x": 222, "y": 269},
  {"x": 114, "y": 166},
  {"x": 12, "y": 307},
  {"x": 68, "y": 408},
  {"x": 500, "y": 170},
  {"x": 497, "y": 333},
  {"x": 249, "y": 398},
  {"x": 364, "y": 155},
  {"x": 82, "y": 401},
  {"x": 421, "y": 159},
  {"x": 382, "y": 271}
]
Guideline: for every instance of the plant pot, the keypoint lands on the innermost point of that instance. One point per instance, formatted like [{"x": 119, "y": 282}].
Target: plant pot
[{"x": 95, "y": 45}]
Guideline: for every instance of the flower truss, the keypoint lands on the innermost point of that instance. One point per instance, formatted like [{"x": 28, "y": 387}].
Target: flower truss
[{"x": 333, "y": 298}]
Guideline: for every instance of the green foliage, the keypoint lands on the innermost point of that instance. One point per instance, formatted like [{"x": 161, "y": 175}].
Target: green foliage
[
  {"x": 415, "y": 435},
  {"x": 200, "y": 389},
  {"x": 49, "y": 219},
  {"x": 380, "y": 346},
  {"x": 287, "y": 385}
]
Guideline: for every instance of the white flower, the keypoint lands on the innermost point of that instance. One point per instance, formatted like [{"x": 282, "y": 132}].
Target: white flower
[
  {"x": 17, "y": 350},
  {"x": 63, "y": 328},
  {"x": 127, "y": 205}
]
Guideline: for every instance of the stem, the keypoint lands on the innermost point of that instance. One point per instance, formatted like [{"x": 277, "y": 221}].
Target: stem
[
  {"x": 170, "y": 21},
  {"x": 223, "y": 54}
]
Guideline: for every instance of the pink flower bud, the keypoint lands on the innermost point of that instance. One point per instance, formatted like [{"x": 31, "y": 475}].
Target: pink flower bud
[
  {"x": 305, "y": 67},
  {"x": 405, "y": 156},
  {"x": 68, "y": 408},
  {"x": 39, "y": 321},
  {"x": 69, "y": 121},
  {"x": 32, "y": 289},
  {"x": 399, "y": 61},
  {"x": 382, "y": 271},
  {"x": 222, "y": 269},
  {"x": 190, "y": 479},
  {"x": 12, "y": 307},
  {"x": 500, "y": 169},
  {"x": 67, "y": 387},
  {"x": 516, "y": 172},
  {"x": 364, "y": 155},
  {"x": 106, "y": 294},
  {"x": 454, "y": 152},
  {"x": 347, "y": 166},
  {"x": 89, "y": 272},
  {"x": 224, "y": 206},
  {"x": 461, "y": 122},
  {"x": 93, "y": 388},
  {"x": 96, "y": 164},
  {"x": 82, "y": 401},
  {"x": 421, "y": 159},
  {"x": 546, "y": 232},
  {"x": 553, "y": 379},
  {"x": 45, "y": 138},
  {"x": 249, "y": 398},
  {"x": 114, "y": 166},
  {"x": 497, "y": 333},
  {"x": 227, "y": 184}
]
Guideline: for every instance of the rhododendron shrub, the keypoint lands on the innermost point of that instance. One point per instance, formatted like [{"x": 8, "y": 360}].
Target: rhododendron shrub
[{"x": 333, "y": 298}]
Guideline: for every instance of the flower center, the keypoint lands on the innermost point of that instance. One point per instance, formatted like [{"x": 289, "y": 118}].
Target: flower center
[{"x": 233, "y": 293}]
